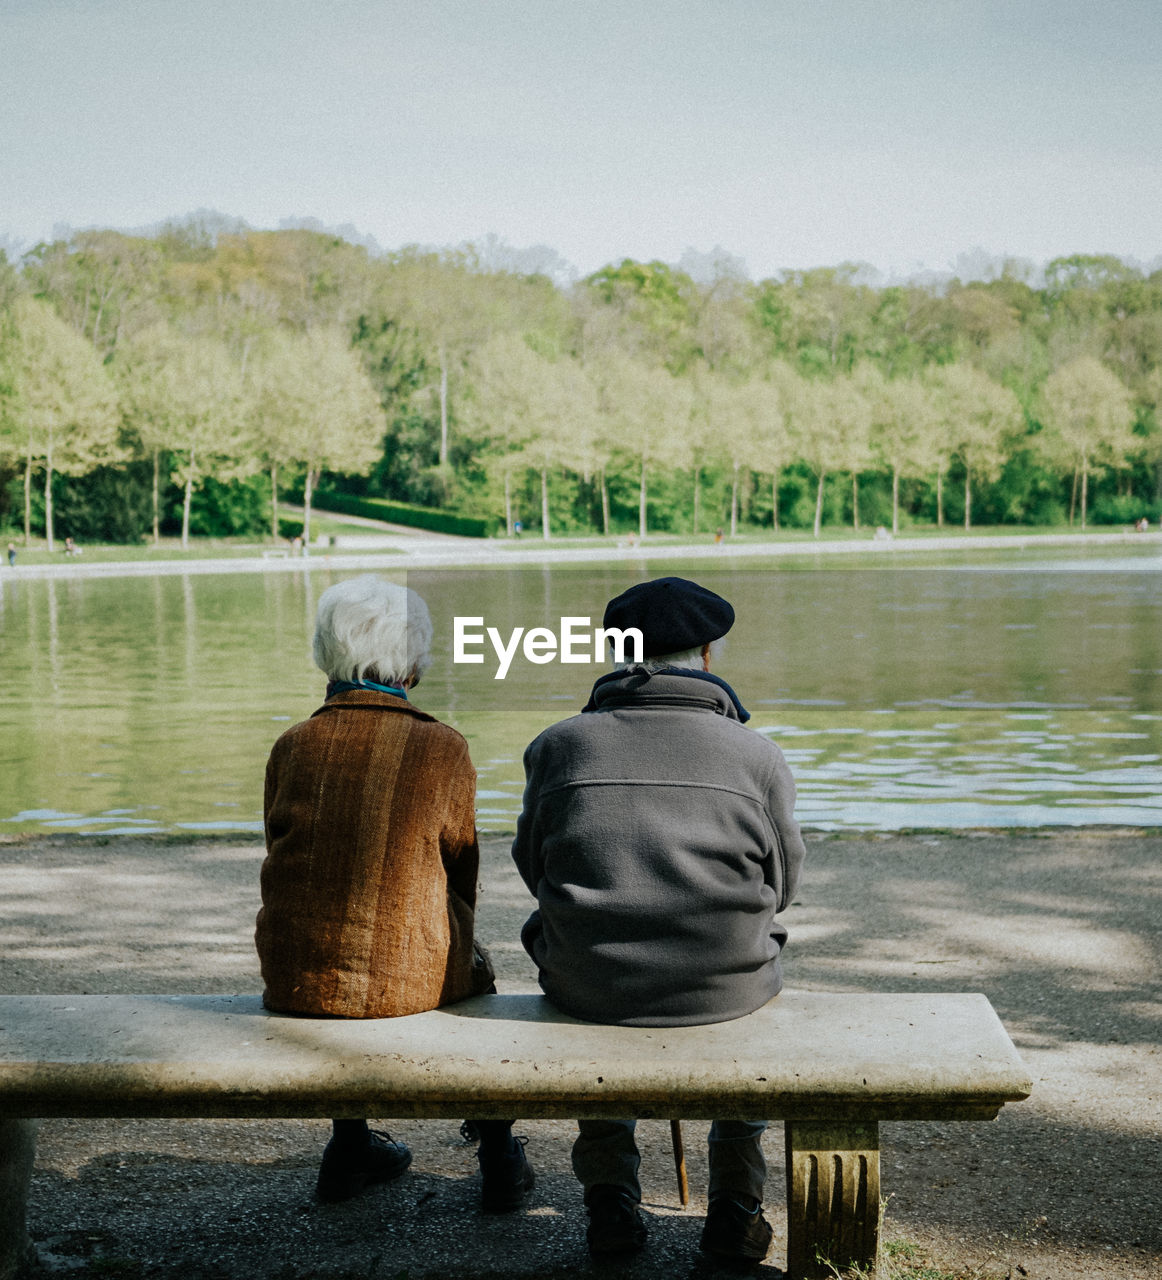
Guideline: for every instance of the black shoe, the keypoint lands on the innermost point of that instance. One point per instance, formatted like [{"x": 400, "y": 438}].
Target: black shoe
[
  {"x": 615, "y": 1225},
  {"x": 735, "y": 1233},
  {"x": 506, "y": 1177},
  {"x": 345, "y": 1173}
]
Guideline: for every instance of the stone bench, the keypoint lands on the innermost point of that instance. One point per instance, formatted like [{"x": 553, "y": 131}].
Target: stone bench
[{"x": 830, "y": 1066}]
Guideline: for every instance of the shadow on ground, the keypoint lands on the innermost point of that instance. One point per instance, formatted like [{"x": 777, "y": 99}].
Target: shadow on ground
[{"x": 1060, "y": 930}]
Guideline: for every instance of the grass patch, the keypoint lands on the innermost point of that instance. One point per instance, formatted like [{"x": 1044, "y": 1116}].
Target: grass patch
[{"x": 904, "y": 1260}]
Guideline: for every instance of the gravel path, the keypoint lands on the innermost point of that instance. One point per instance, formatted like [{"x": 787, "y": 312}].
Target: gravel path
[
  {"x": 436, "y": 551},
  {"x": 1059, "y": 929}
]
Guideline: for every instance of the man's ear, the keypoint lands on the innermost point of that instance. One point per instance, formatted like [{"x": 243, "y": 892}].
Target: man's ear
[{"x": 705, "y": 657}]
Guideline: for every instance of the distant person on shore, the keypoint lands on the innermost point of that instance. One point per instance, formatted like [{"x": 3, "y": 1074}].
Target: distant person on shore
[
  {"x": 657, "y": 835},
  {"x": 369, "y": 882},
  {"x": 12, "y": 555},
  {"x": 1143, "y": 525}
]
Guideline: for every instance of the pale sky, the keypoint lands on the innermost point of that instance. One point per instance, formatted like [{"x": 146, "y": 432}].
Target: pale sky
[{"x": 792, "y": 133}]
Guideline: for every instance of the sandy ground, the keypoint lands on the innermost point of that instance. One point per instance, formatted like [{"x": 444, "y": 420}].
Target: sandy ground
[{"x": 1061, "y": 931}]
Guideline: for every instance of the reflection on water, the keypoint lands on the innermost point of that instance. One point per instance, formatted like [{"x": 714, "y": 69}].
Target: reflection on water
[{"x": 967, "y": 696}]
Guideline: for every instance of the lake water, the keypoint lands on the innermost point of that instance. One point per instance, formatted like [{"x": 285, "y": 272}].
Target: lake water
[{"x": 1019, "y": 692}]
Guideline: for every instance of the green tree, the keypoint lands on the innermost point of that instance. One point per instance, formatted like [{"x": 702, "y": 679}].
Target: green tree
[
  {"x": 539, "y": 413},
  {"x": 1088, "y": 421},
  {"x": 701, "y": 441},
  {"x": 904, "y": 427},
  {"x": 822, "y": 316},
  {"x": 103, "y": 283},
  {"x": 183, "y": 396},
  {"x": 980, "y": 417},
  {"x": 647, "y": 311},
  {"x": 648, "y": 411},
  {"x": 746, "y": 423},
  {"x": 9, "y": 427},
  {"x": 142, "y": 373},
  {"x": 496, "y": 409},
  {"x": 448, "y": 307},
  {"x": 817, "y": 432},
  {"x": 320, "y": 412},
  {"x": 771, "y": 398},
  {"x": 66, "y": 411},
  {"x": 853, "y": 421},
  {"x": 272, "y": 366}
]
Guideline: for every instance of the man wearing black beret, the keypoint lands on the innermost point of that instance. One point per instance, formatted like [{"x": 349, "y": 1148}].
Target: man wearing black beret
[{"x": 657, "y": 834}]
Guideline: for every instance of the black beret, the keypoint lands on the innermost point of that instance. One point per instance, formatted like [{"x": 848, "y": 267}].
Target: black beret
[{"x": 672, "y": 614}]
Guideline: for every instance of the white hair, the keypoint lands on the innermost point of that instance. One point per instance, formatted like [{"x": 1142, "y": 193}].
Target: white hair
[
  {"x": 687, "y": 658},
  {"x": 369, "y": 628}
]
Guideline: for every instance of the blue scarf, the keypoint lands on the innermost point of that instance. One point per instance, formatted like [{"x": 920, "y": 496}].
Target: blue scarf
[{"x": 345, "y": 686}]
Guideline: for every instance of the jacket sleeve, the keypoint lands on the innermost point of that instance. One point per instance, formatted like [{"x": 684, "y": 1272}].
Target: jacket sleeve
[
  {"x": 459, "y": 849},
  {"x": 526, "y": 850},
  {"x": 469, "y": 968},
  {"x": 780, "y": 806},
  {"x": 269, "y": 790}
]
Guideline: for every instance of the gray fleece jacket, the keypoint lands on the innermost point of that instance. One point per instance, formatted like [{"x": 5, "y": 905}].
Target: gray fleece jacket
[{"x": 658, "y": 838}]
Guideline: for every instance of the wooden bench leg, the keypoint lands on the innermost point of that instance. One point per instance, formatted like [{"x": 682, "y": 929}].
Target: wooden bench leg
[
  {"x": 833, "y": 1197},
  {"x": 17, "y": 1152}
]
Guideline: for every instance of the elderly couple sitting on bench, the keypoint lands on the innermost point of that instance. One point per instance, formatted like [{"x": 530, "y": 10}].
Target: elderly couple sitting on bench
[{"x": 656, "y": 834}]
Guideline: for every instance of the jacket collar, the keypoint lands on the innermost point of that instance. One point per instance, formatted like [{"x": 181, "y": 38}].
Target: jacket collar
[
  {"x": 370, "y": 700},
  {"x": 671, "y": 685}
]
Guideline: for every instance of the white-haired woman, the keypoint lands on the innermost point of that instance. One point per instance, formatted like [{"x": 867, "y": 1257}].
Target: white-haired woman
[{"x": 369, "y": 882}]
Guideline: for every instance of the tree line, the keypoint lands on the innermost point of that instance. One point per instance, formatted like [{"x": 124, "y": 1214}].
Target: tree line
[{"x": 181, "y": 381}]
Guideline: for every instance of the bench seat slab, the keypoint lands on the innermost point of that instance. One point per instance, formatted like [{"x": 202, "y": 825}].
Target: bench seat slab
[
  {"x": 830, "y": 1065},
  {"x": 805, "y": 1055}
]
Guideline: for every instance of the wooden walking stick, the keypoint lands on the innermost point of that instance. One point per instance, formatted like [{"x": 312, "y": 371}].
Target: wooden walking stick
[{"x": 680, "y": 1162}]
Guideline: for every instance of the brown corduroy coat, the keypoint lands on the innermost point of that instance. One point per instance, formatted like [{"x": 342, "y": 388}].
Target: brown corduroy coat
[{"x": 369, "y": 881}]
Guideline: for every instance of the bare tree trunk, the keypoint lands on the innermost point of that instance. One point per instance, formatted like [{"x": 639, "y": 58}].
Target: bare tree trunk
[
  {"x": 156, "y": 497},
  {"x": 1073, "y": 495},
  {"x": 604, "y": 504},
  {"x": 895, "y": 500},
  {"x": 28, "y": 496},
  {"x": 734, "y": 503},
  {"x": 697, "y": 494},
  {"x": 967, "y": 498},
  {"x": 854, "y": 501},
  {"x": 186, "y": 501},
  {"x": 443, "y": 406},
  {"x": 819, "y": 505},
  {"x": 1084, "y": 491},
  {"x": 508, "y": 504},
  {"x": 48, "y": 530},
  {"x": 641, "y": 504},
  {"x": 274, "y": 500},
  {"x": 775, "y": 499},
  {"x": 939, "y": 498},
  {"x": 308, "y": 485},
  {"x": 545, "y": 531}
]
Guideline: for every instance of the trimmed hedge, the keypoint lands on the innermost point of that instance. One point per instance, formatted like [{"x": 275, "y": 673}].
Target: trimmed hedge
[{"x": 400, "y": 513}]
